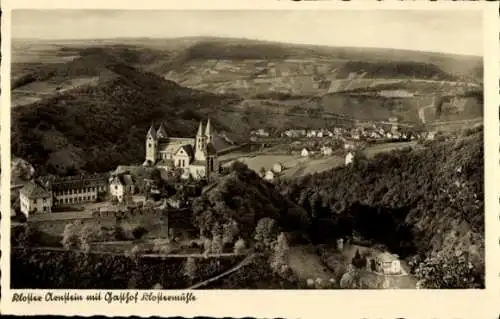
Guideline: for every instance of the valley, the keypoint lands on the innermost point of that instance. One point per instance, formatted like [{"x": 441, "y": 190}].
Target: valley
[{"x": 320, "y": 162}]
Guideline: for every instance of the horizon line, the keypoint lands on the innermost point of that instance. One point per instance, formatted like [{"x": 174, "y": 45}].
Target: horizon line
[{"x": 244, "y": 38}]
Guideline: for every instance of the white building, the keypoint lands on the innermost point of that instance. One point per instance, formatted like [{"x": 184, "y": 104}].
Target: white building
[
  {"x": 121, "y": 186},
  {"x": 34, "y": 198},
  {"x": 388, "y": 264},
  {"x": 278, "y": 168},
  {"x": 349, "y": 158},
  {"x": 304, "y": 152},
  {"x": 326, "y": 150},
  {"x": 269, "y": 176}
]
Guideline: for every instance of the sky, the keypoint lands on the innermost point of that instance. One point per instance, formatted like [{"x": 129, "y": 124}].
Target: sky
[{"x": 459, "y": 32}]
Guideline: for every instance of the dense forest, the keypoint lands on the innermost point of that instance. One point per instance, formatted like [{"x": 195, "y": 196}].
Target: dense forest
[
  {"x": 96, "y": 128},
  {"x": 425, "y": 205}
]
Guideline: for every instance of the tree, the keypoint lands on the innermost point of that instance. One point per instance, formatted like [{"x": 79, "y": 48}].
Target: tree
[
  {"x": 264, "y": 233},
  {"x": 448, "y": 271},
  {"x": 190, "y": 268},
  {"x": 358, "y": 261},
  {"x": 229, "y": 231},
  {"x": 217, "y": 246},
  {"x": 279, "y": 258},
  {"x": 70, "y": 239},
  {"x": 239, "y": 246},
  {"x": 262, "y": 171},
  {"x": 87, "y": 234}
]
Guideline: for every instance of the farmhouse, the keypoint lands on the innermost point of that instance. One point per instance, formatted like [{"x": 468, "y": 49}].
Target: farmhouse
[
  {"x": 197, "y": 157},
  {"x": 278, "y": 168},
  {"x": 121, "y": 186},
  {"x": 34, "y": 198},
  {"x": 349, "y": 158},
  {"x": 388, "y": 264},
  {"x": 304, "y": 152},
  {"x": 75, "y": 189},
  {"x": 269, "y": 176}
]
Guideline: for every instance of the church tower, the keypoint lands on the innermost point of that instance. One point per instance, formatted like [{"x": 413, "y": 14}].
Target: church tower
[
  {"x": 208, "y": 132},
  {"x": 151, "y": 145},
  {"x": 212, "y": 162},
  {"x": 201, "y": 143}
]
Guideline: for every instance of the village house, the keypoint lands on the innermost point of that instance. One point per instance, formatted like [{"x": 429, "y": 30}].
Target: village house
[
  {"x": 311, "y": 133},
  {"x": 121, "y": 186},
  {"x": 304, "y": 152},
  {"x": 269, "y": 176},
  {"x": 278, "y": 168},
  {"x": 348, "y": 146},
  {"x": 388, "y": 264},
  {"x": 196, "y": 157},
  {"x": 75, "y": 189},
  {"x": 326, "y": 150},
  {"x": 35, "y": 198},
  {"x": 349, "y": 158}
]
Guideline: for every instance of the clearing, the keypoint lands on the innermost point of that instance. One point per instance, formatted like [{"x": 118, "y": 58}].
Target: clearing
[{"x": 306, "y": 264}]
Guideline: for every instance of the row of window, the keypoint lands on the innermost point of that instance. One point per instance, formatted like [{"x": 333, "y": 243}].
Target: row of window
[
  {"x": 77, "y": 191},
  {"x": 44, "y": 200},
  {"x": 75, "y": 200}
]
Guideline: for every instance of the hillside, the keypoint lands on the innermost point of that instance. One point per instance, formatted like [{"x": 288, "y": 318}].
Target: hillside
[
  {"x": 242, "y": 196},
  {"x": 87, "y": 104},
  {"x": 97, "y": 127},
  {"x": 425, "y": 205}
]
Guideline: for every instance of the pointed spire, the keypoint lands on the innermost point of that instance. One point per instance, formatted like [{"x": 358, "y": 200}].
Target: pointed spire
[
  {"x": 208, "y": 129},
  {"x": 161, "y": 133},
  {"x": 152, "y": 132},
  {"x": 200, "y": 129}
]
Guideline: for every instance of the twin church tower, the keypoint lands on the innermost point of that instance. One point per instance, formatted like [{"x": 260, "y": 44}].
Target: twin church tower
[{"x": 196, "y": 157}]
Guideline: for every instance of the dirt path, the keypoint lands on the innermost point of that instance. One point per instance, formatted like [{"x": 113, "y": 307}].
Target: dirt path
[
  {"x": 306, "y": 264},
  {"x": 243, "y": 263}
]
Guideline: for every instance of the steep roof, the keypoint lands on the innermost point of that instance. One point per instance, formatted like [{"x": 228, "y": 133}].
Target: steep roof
[
  {"x": 35, "y": 190},
  {"x": 152, "y": 132},
  {"x": 211, "y": 149},
  {"x": 124, "y": 179},
  {"x": 208, "y": 129},
  {"x": 188, "y": 148},
  {"x": 200, "y": 129},
  {"x": 161, "y": 133}
]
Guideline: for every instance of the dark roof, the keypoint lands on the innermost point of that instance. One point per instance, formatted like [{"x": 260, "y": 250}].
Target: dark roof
[
  {"x": 211, "y": 149},
  {"x": 124, "y": 179},
  {"x": 74, "y": 182},
  {"x": 35, "y": 190},
  {"x": 152, "y": 132},
  {"x": 161, "y": 133}
]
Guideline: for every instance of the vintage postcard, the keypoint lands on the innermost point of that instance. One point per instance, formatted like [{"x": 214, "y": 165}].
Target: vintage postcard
[{"x": 203, "y": 158}]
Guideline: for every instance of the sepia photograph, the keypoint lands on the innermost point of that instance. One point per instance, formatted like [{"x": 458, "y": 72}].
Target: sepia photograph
[{"x": 247, "y": 149}]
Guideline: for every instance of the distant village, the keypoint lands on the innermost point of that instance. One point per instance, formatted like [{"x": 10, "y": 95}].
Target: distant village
[{"x": 196, "y": 162}]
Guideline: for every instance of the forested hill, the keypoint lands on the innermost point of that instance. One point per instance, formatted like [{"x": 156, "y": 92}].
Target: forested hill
[
  {"x": 97, "y": 127},
  {"x": 420, "y": 204},
  {"x": 244, "y": 198}
]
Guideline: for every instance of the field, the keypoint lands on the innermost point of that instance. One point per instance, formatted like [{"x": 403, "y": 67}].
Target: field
[
  {"x": 387, "y": 147},
  {"x": 256, "y": 162}
]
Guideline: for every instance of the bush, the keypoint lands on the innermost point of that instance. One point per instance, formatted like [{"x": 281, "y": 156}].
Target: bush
[{"x": 239, "y": 246}]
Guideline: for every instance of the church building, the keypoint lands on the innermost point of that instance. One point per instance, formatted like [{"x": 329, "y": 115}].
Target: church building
[{"x": 197, "y": 157}]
